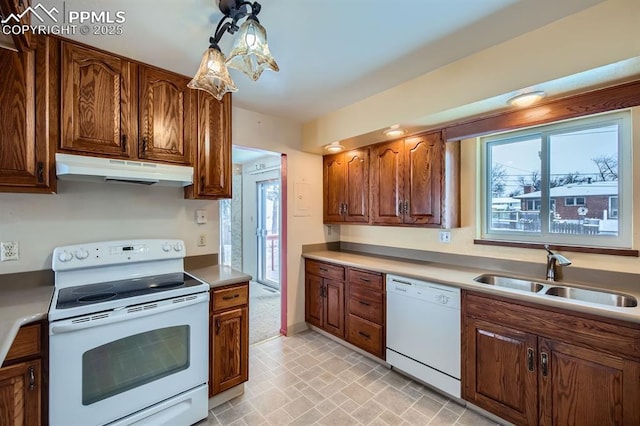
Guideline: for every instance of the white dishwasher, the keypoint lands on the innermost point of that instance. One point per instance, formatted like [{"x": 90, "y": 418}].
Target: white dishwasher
[{"x": 423, "y": 331}]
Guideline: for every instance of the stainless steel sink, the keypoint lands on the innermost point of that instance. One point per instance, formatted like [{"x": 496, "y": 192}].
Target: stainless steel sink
[
  {"x": 508, "y": 282},
  {"x": 593, "y": 296}
]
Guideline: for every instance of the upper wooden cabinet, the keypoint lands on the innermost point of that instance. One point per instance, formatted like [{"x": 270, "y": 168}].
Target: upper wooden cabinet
[
  {"x": 96, "y": 102},
  {"x": 346, "y": 187},
  {"x": 166, "y": 116},
  {"x": 407, "y": 181},
  {"x": 212, "y": 174},
  {"x": 26, "y": 154},
  {"x": 24, "y": 40},
  {"x": 116, "y": 108}
]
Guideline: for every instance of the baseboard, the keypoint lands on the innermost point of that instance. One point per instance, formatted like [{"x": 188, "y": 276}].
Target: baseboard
[
  {"x": 296, "y": 328},
  {"x": 350, "y": 346},
  {"x": 225, "y": 396}
]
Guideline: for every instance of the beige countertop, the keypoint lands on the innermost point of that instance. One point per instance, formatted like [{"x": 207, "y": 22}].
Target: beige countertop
[
  {"x": 218, "y": 275},
  {"x": 25, "y": 297},
  {"x": 463, "y": 277}
]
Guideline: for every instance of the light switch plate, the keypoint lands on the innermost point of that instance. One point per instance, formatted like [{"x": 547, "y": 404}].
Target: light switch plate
[{"x": 201, "y": 216}]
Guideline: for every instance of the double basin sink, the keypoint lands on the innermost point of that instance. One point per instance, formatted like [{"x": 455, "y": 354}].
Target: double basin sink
[{"x": 556, "y": 289}]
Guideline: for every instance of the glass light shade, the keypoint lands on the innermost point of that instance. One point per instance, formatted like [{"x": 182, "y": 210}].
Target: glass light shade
[
  {"x": 212, "y": 75},
  {"x": 394, "y": 131},
  {"x": 334, "y": 147},
  {"x": 250, "y": 52}
]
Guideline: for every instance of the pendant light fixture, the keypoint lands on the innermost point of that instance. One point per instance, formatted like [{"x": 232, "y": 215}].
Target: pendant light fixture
[{"x": 250, "y": 52}]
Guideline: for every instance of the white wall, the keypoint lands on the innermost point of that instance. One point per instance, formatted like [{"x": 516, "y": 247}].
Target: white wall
[
  {"x": 256, "y": 130},
  {"x": 85, "y": 212}
]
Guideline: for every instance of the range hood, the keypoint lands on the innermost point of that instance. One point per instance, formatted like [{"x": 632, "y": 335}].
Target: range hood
[{"x": 95, "y": 169}]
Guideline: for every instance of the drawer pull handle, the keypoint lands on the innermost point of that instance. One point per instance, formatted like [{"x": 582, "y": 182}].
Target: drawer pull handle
[
  {"x": 544, "y": 359},
  {"x": 365, "y": 280},
  {"x": 32, "y": 378},
  {"x": 40, "y": 172},
  {"x": 365, "y": 335},
  {"x": 324, "y": 269},
  {"x": 235, "y": 296},
  {"x": 530, "y": 359},
  {"x": 401, "y": 282},
  {"x": 364, "y": 303}
]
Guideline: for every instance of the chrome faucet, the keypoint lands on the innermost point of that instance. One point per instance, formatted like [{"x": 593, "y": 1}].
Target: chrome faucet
[{"x": 552, "y": 258}]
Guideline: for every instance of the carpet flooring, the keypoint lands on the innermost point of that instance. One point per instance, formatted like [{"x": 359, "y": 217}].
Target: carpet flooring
[{"x": 264, "y": 312}]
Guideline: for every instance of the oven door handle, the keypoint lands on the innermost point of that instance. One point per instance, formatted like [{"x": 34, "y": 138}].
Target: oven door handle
[{"x": 124, "y": 314}]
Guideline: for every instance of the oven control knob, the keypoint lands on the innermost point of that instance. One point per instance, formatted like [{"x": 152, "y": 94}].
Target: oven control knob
[
  {"x": 65, "y": 256},
  {"x": 177, "y": 247},
  {"x": 81, "y": 254},
  {"x": 166, "y": 247}
]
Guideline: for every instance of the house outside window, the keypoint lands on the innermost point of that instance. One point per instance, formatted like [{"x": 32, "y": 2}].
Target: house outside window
[{"x": 573, "y": 180}]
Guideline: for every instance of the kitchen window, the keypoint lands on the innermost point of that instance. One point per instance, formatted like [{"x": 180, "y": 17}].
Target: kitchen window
[{"x": 567, "y": 183}]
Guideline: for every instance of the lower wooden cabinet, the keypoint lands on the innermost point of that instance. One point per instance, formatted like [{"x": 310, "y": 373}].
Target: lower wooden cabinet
[
  {"x": 324, "y": 296},
  {"x": 352, "y": 309},
  {"x": 229, "y": 328},
  {"x": 533, "y": 366},
  {"x": 21, "y": 382}
]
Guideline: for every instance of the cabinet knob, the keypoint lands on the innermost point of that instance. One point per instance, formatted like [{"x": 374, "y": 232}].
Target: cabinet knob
[
  {"x": 530, "y": 359},
  {"x": 32, "y": 378},
  {"x": 544, "y": 361},
  {"x": 218, "y": 325},
  {"x": 40, "y": 172}
]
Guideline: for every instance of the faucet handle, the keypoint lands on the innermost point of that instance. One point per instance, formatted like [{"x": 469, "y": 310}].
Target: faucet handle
[{"x": 546, "y": 247}]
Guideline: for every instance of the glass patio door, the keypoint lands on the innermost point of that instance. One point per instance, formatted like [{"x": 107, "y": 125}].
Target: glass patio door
[{"x": 268, "y": 232}]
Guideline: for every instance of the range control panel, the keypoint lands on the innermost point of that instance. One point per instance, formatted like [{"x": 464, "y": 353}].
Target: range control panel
[{"x": 107, "y": 253}]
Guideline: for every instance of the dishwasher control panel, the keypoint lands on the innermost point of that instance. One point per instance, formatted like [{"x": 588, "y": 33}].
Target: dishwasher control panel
[{"x": 429, "y": 292}]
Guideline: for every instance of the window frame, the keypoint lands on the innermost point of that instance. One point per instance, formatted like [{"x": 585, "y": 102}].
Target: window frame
[{"x": 622, "y": 118}]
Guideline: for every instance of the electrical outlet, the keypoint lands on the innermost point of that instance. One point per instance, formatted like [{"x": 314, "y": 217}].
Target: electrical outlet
[
  {"x": 444, "y": 236},
  {"x": 202, "y": 240},
  {"x": 9, "y": 250}
]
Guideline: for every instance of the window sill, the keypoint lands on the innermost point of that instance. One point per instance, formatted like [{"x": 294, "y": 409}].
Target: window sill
[{"x": 579, "y": 249}]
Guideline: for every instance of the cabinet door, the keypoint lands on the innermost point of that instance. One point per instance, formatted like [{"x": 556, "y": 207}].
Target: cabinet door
[
  {"x": 212, "y": 177},
  {"x": 314, "y": 300},
  {"x": 230, "y": 349},
  {"x": 333, "y": 187},
  {"x": 423, "y": 179},
  {"x": 387, "y": 197},
  {"x": 500, "y": 371},
  {"x": 26, "y": 156},
  {"x": 334, "y": 307},
  {"x": 166, "y": 117},
  {"x": 579, "y": 386},
  {"x": 20, "y": 394},
  {"x": 96, "y": 102},
  {"x": 356, "y": 163}
]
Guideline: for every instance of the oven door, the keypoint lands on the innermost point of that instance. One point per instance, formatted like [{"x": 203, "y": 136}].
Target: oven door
[{"x": 108, "y": 365}]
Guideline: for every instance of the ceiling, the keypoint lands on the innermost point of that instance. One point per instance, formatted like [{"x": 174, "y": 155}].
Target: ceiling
[{"x": 331, "y": 53}]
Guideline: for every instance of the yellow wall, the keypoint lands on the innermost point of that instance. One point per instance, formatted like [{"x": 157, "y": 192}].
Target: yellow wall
[{"x": 604, "y": 34}]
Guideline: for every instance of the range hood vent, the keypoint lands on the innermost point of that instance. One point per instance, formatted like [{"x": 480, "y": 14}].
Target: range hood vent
[{"x": 95, "y": 169}]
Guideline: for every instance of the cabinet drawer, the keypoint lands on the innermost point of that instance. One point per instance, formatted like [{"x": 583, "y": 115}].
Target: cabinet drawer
[
  {"x": 229, "y": 297},
  {"x": 325, "y": 270},
  {"x": 26, "y": 343},
  {"x": 372, "y": 280},
  {"x": 366, "y": 304},
  {"x": 366, "y": 335}
]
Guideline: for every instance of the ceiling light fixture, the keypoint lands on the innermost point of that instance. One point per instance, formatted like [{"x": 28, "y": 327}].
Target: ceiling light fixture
[
  {"x": 394, "y": 131},
  {"x": 249, "y": 53},
  {"x": 526, "y": 99},
  {"x": 334, "y": 147}
]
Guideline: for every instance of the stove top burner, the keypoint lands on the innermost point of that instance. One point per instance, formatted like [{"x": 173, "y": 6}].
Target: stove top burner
[
  {"x": 83, "y": 295},
  {"x": 93, "y": 298}
]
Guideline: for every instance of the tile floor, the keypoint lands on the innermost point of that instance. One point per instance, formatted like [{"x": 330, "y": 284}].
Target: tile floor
[{"x": 308, "y": 379}]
